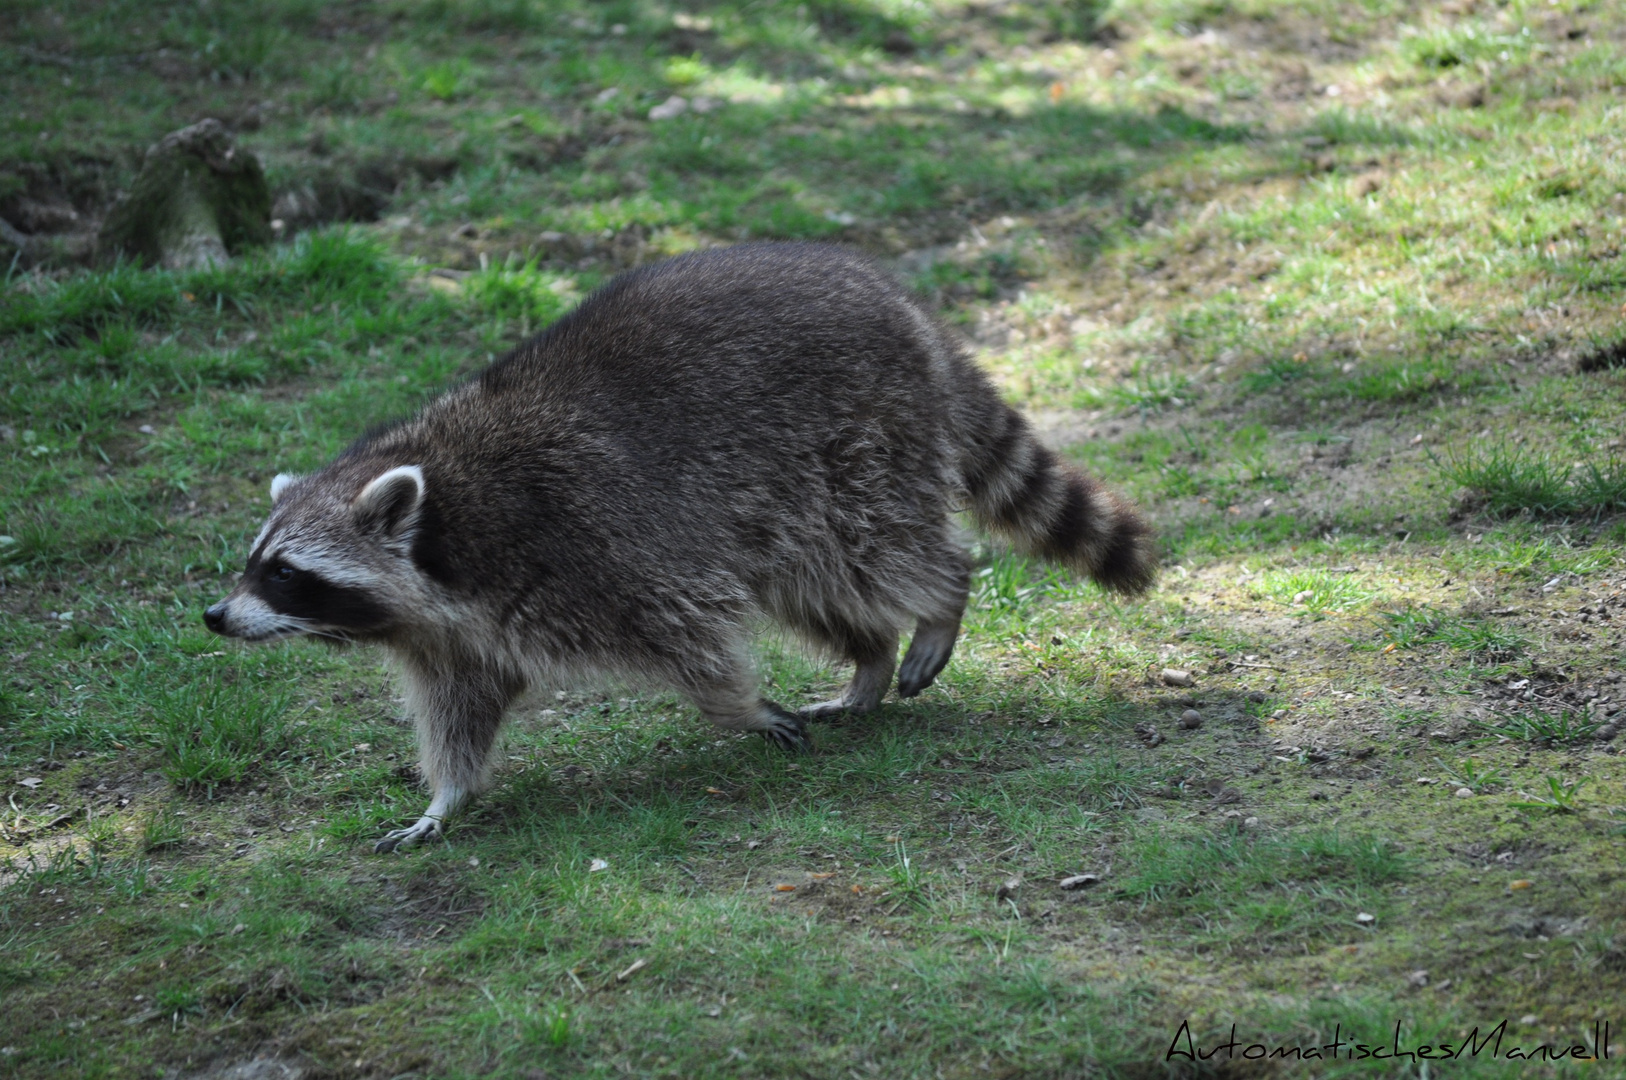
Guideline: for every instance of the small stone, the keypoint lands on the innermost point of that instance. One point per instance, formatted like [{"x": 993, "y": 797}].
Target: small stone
[
  {"x": 1256, "y": 696},
  {"x": 1418, "y": 978},
  {"x": 1148, "y": 734},
  {"x": 1366, "y": 919},
  {"x": 1007, "y": 888},
  {"x": 1177, "y": 677},
  {"x": 1302, "y": 597},
  {"x": 1079, "y": 881},
  {"x": 1278, "y": 714},
  {"x": 1250, "y": 823},
  {"x": 1606, "y": 732},
  {"x": 672, "y": 107},
  {"x": 596, "y": 865},
  {"x": 1191, "y": 719},
  {"x": 1464, "y": 793}
]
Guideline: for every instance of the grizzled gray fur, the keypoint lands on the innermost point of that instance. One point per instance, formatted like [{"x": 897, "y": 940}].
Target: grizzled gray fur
[{"x": 770, "y": 430}]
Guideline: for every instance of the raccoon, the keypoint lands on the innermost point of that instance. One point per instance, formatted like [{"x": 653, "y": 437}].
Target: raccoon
[{"x": 768, "y": 432}]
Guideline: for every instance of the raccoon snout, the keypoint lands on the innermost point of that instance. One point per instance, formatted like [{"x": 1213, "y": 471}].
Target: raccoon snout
[{"x": 214, "y": 617}]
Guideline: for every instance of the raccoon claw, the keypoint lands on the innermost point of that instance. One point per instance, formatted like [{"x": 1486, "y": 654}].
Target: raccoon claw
[
  {"x": 788, "y": 731},
  {"x": 401, "y": 839}
]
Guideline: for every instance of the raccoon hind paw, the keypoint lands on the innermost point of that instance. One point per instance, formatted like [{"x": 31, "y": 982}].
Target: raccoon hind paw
[
  {"x": 786, "y": 729},
  {"x": 426, "y": 828}
]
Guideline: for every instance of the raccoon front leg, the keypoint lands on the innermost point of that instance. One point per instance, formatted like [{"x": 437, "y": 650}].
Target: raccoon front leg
[
  {"x": 457, "y": 716},
  {"x": 735, "y": 704},
  {"x": 874, "y": 660}
]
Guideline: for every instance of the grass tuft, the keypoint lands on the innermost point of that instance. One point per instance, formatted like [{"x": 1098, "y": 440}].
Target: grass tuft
[
  {"x": 1542, "y": 728},
  {"x": 1508, "y": 479},
  {"x": 1559, "y": 798},
  {"x": 210, "y": 734}
]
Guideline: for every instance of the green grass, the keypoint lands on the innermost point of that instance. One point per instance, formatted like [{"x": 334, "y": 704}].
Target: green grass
[
  {"x": 1412, "y": 628},
  {"x": 1316, "y": 591},
  {"x": 1355, "y": 353},
  {"x": 1541, "y": 727},
  {"x": 1508, "y": 479},
  {"x": 1558, "y": 798},
  {"x": 1236, "y": 890}
]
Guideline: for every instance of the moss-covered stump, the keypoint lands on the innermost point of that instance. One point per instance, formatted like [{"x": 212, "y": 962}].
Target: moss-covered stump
[{"x": 198, "y": 200}]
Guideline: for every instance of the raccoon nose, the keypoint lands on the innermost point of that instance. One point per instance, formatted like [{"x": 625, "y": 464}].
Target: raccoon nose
[{"x": 215, "y": 617}]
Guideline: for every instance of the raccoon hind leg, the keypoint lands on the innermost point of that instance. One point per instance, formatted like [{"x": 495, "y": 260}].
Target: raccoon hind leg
[
  {"x": 935, "y": 634},
  {"x": 874, "y": 656},
  {"x": 734, "y": 704}
]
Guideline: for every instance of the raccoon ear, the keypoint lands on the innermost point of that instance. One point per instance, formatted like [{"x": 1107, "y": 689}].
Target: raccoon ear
[
  {"x": 279, "y": 484},
  {"x": 389, "y": 503}
]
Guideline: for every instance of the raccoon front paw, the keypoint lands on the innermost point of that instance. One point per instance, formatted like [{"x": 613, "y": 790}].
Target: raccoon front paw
[
  {"x": 427, "y": 828},
  {"x": 786, "y": 730}
]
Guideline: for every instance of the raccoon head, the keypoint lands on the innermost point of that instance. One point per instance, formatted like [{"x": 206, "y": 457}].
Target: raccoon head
[{"x": 329, "y": 563}]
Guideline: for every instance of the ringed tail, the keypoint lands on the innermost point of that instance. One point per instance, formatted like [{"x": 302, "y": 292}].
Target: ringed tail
[{"x": 1021, "y": 492}]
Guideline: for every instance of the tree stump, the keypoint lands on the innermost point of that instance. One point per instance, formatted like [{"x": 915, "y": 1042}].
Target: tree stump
[{"x": 198, "y": 200}]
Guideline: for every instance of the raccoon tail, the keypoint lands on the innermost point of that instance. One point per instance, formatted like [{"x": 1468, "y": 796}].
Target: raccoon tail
[{"x": 1022, "y": 492}]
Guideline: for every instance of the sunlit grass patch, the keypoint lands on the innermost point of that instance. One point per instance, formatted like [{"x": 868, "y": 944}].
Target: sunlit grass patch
[
  {"x": 1265, "y": 888},
  {"x": 1464, "y": 45},
  {"x": 521, "y": 292},
  {"x": 1507, "y": 478},
  {"x": 1399, "y": 380},
  {"x": 1413, "y": 627},
  {"x": 1316, "y": 591},
  {"x": 1010, "y": 584}
]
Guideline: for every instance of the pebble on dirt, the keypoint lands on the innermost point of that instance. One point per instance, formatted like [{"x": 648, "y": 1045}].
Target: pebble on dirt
[
  {"x": 1191, "y": 719},
  {"x": 1176, "y": 677}
]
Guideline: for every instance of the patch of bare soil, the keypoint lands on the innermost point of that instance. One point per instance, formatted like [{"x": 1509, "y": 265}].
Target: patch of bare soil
[{"x": 423, "y": 906}]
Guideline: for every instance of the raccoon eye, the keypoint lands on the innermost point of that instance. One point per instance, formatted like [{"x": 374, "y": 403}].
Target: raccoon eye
[{"x": 281, "y": 574}]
